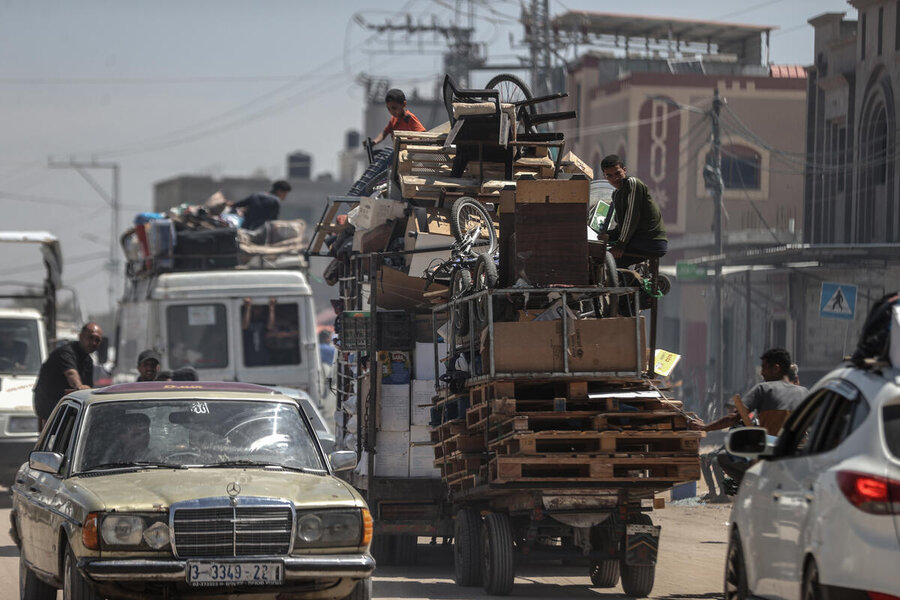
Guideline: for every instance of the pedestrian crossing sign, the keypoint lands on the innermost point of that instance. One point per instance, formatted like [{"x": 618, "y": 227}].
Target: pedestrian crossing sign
[{"x": 837, "y": 301}]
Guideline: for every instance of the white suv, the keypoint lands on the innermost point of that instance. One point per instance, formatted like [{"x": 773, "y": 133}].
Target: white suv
[{"x": 819, "y": 514}]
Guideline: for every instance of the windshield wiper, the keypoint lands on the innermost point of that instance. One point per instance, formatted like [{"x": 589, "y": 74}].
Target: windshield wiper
[
  {"x": 257, "y": 463},
  {"x": 135, "y": 464}
]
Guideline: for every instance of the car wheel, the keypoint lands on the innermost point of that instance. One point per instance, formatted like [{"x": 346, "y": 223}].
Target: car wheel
[
  {"x": 637, "y": 581},
  {"x": 75, "y": 586},
  {"x": 735, "y": 570},
  {"x": 811, "y": 589},
  {"x": 362, "y": 590},
  {"x": 605, "y": 573},
  {"x": 32, "y": 588}
]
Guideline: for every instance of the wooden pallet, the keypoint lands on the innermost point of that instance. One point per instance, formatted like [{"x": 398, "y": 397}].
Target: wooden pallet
[
  {"x": 463, "y": 482},
  {"x": 519, "y": 443},
  {"x": 524, "y": 390},
  {"x": 463, "y": 442},
  {"x": 572, "y": 469},
  {"x": 450, "y": 409},
  {"x": 459, "y": 464}
]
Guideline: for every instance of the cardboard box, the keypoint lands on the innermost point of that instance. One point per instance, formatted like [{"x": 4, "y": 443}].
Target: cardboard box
[
  {"x": 423, "y": 363},
  {"x": 595, "y": 345},
  {"x": 422, "y": 395},
  {"x": 375, "y": 239},
  {"x": 393, "y": 408},
  {"x": 577, "y": 165},
  {"x": 392, "y": 454},
  {"x": 398, "y": 291},
  {"x": 375, "y": 211},
  {"x": 421, "y": 462},
  {"x": 543, "y": 191}
]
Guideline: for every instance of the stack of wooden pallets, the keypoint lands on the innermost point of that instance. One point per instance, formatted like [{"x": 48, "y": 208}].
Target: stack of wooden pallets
[{"x": 522, "y": 432}]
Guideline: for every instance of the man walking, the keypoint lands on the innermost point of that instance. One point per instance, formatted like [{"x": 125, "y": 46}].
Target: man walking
[{"x": 69, "y": 367}]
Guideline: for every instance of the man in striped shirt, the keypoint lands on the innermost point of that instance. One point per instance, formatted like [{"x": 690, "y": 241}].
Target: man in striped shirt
[{"x": 639, "y": 231}]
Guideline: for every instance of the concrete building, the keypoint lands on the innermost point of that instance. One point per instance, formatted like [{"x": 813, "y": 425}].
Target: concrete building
[{"x": 649, "y": 102}]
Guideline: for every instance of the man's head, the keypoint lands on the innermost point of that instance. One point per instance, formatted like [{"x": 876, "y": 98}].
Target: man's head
[
  {"x": 91, "y": 337},
  {"x": 134, "y": 433},
  {"x": 280, "y": 188},
  {"x": 776, "y": 364},
  {"x": 325, "y": 336},
  {"x": 148, "y": 365},
  {"x": 395, "y": 101},
  {"x": 614, "y": 170}
]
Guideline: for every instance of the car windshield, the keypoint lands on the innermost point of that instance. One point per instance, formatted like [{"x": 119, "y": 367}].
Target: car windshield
[
  {"x": 196, "y": 432},
  {"x": 20, "y": 350}
]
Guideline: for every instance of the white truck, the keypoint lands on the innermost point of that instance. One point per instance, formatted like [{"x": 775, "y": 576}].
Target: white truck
[
  {"x": 199, "y": 318},
  {"x": 24, "y": 333}
]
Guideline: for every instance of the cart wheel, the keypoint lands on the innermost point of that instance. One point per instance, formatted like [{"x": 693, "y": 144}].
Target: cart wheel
[
  {"x": 382, "y": 549},
  {"x": 466, "y": 542},
  {"x": 405, "y": 547},
  {"x": 637, "y": 582},
  {"x": 605, "y": 573},
  {"x": 497, "y": 554}
]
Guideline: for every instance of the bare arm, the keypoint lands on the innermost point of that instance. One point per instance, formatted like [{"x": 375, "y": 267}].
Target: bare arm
[
  {"x": 728, "y": 420},
  {"x": 245, "y": 321},
  {"x": 74, "y": 380}
]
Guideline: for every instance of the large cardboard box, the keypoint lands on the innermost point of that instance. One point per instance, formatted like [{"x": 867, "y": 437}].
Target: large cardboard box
[
  {"x": 392, "y": 454},
  {"x": 601, "y": 345},
  {"x": 375, "y": 211},
  {"x": 422, "y": 395},
  {"x": 394, "y": 408},
  {"x": 398, "y": 291}
]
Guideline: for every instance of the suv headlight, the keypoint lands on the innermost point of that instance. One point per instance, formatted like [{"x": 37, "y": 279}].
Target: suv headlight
[{"x": 317, "y": 529}]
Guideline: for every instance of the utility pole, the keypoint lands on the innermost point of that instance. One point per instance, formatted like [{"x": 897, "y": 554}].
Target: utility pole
[
  {"x": 717, "y": 188},
  {"x": 112, "y": 199},
  {"x": 537, "y": 36}
]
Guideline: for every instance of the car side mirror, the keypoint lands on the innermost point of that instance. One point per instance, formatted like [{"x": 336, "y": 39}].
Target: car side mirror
[
  {"x": 47, "y": 462},
  {"x": 749, "y": 442},
  {"x": 342, "y": 460}
]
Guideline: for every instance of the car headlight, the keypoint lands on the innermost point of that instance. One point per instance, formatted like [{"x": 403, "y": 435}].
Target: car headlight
[
  {"x": 157, "y": 535},
  {"x": 317, "y": 529},
  {"x": 122, "y": 530}
]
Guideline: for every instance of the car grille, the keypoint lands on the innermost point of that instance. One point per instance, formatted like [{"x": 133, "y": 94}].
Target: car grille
[{"x": 233, "y": 531}]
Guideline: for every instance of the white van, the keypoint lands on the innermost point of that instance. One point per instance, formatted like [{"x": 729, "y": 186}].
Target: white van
[{"x": 200, "y": 319}]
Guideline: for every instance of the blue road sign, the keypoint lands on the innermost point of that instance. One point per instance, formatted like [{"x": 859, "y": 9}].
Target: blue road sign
[{"x": 837, "y": 301}]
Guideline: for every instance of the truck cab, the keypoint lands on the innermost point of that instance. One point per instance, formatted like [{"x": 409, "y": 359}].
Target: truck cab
[{"x": 250, "y": 325}]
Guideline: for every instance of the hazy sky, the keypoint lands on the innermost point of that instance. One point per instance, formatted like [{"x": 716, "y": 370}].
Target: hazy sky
[{"x": 229, "y": 87}]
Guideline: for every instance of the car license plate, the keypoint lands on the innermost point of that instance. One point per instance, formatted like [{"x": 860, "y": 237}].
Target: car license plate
[{"x": 210, "y": 573}]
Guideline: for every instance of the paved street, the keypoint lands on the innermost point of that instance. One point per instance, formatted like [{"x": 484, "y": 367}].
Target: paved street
[{"x": 692, "y": 555}]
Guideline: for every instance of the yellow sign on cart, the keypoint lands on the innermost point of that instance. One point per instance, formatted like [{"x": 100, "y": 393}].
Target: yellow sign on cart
[{"x": 664, "y": 362}]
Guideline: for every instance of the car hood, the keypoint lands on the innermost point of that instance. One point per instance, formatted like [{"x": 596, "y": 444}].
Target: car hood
[
  {"x": 15, "y": 392},
  {"x": 155, "y": 489}
]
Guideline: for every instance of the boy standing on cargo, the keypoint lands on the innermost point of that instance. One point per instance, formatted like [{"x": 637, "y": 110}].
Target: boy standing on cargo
[
  {"x": 639, "y": 228},
  {"x": 401, "y": 119}
]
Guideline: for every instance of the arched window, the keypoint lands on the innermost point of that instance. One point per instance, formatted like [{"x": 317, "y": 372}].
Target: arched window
[{"x": 741, "y": 167}]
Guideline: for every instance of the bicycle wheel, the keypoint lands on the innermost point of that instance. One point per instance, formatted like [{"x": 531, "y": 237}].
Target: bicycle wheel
[
  {"x": 513, "y": 90},
  {"x": 485, "y": 279},
  {"x": 473, "y": 228},
  {"x": 460, "y": 284}
]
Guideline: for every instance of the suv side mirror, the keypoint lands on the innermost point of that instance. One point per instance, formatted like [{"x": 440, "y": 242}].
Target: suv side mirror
[
  {"x": 342, "y": 460},
  {"x": 47, "y": 462},
  {"x": 749, "y": 442}
]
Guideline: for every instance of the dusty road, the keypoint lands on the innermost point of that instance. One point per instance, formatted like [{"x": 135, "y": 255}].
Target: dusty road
[{"x": 691, "y": 562}]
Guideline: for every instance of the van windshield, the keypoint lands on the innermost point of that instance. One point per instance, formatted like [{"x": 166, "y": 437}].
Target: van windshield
[
  {"x": 197, "y": 336},
  {"x": 20, "y": 350}
]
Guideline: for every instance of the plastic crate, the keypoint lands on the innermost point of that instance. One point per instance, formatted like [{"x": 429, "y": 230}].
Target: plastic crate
[
  {"x": 354, "y": 331},
  {"x": 395, "y": 330}
]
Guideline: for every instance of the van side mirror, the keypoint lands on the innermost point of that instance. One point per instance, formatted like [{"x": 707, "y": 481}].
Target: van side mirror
[
  {"x": 46, "y": 462},
  {"x": 749, "y": 442}
]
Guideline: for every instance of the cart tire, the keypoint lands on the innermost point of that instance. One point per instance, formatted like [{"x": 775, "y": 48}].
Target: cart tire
[
  {"x": 486, "y": 278},
  {"x": 605, "y": 573},
  {"x": 497, "y": 553},
  {"x": 382, "y": 549},
  {"x": 468, "y": 217},
  {"x": 637, "y": 582},
  {"x": 405, "y": 546},
  {"x": 466, "y": 547},
  {"x": 460, "y": 285}
]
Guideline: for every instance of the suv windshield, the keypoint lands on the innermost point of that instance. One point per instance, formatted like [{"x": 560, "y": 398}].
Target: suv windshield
[
  {"x": 196, "y": 432},
  {"x": 20, "y": 350}
]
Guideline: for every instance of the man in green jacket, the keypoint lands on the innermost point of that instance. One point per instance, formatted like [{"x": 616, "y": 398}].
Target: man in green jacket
[{"x": 639, "y": 231}]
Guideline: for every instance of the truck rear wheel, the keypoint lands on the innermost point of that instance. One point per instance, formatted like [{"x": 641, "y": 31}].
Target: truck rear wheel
[
  {"x": 405, "y": 546},
  {"x": 605, "y": 573},
  {"x": 382, "y": 549},
  {"x": 497, "y": 548},
  {"x": 466, "y": 547},
  {"x": 637, "y": 582}
]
